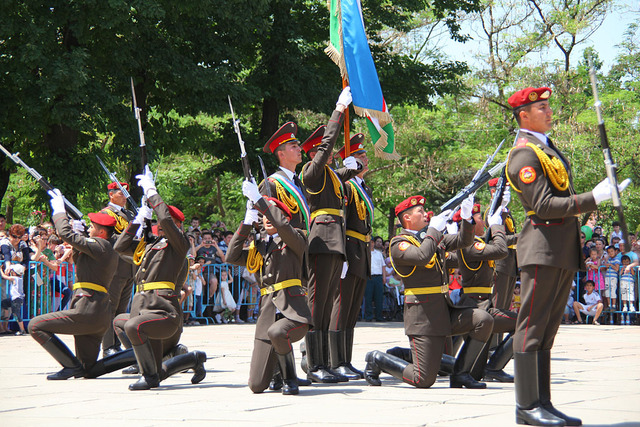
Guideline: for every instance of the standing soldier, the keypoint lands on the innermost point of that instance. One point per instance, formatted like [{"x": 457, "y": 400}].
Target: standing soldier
[
  {"x": 418, "y": 255},
  {"x": 348, "y": 298},
  {"x": 548, "y": 251},
  {"x": 155, "y": 323},
  {"x": 122, "y": 282},
  {"x": 89, "y": 315},
  {"x": 284, "y": 315},
  {"x": 325, "y": 193}
]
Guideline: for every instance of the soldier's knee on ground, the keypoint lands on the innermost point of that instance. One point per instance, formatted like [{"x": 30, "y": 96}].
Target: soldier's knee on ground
[
  {"x": 425, "y": 380},
  {"x": 257, "y": 387}
]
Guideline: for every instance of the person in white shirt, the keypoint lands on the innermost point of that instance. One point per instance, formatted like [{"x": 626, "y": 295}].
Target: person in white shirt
[
  {"x": 592, "y": 303},
  {"x": 374, "y": 292}
]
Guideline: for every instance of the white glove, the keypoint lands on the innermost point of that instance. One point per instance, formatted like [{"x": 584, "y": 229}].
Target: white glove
[
  {"x": 145, "y": 181},
  {"x": 602, "y": 191},
  {"x": 496, "y": 218},
  {"x": 345, "y": 268},
  {"x": 251, "y": 215},
  {"x": 452, "y": 227},
  {"x": 250, "y": 190},
  {"x": 345, "y": 97},
  {"x": 78, "y": 226},
  {"x": 144, "y": 213},
  {"x": 506, "y": 197},
  {"x": 351, "y": 163},
  {"x": 57, "y": 202},
  {"x": 439, "y": 222},
  {"x": 466, "y": 208}
]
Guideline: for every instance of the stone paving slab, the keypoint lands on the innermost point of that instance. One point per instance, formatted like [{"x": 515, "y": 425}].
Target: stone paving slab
[{"x": 595, "y": 375}]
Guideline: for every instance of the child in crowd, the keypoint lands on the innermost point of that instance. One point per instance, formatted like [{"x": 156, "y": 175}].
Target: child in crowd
[
  {"x": 616, "y": 231},
  {"x": 611, "y": 279},
  {"x": 593, "y": 303},
  {"x": 627, "y": 289},
  {"x": 515, "y": 302},
  {"x": 228, "y": 303},
  {"x": 13, "y": 304},
  {"x": 594, "y": 264}
]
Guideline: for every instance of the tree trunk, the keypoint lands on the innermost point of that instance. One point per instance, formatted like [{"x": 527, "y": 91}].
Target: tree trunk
[
  {"x": 5, "y": 175},
  {"x": 391, "y": 227},
  {"x": 270, "y": 118}
]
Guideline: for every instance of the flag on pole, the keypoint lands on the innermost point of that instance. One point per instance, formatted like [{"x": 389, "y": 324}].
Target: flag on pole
[{"x": 349, "y": 49}]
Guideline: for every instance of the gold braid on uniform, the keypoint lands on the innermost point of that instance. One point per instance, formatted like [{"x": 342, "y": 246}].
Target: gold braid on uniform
[
  {"x": 434, "y": 259},
  {"x": 254, "y": 259},
  {"x": 360, "y": 206},
  {"x": 138, "y": 254},
  {"x": 287, "y": 198},
  {"x": 337, "y": 187},
  {"x": 553, "y": 168},
  {"x": 491, "y": 262},
  {"x": 121, "y": 223},
  {"x": 508, "y": 222}
]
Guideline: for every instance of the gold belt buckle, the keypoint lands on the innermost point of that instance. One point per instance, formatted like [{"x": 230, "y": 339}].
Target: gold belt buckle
[
  {"x": 444, "y": 288},
  {"x": 270, "y": 289}
]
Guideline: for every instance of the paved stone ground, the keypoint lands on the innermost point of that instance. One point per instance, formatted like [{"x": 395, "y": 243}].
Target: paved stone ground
[{"x": 596, "y": 373}]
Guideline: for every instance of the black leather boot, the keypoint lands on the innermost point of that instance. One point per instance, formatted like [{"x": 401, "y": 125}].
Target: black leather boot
[
  {"x": 174, "y": 351},
  {"x": 497, "y": 362},
  {"x": 378, "y": 361},
  {"x": 401, "y": 353},
  {"x": 446, "y": 365},
  {"x": 528, "y": 407},
  {"x": 479, "y": 366},
  {"x": 192, "y": 360},
  {"x": 468, "y": 355},
  {"x": 287, "y": 365},
  {"x": 276, "y": 379},
  {"x": 348, "y": 349},
  {"x": 326, "y": 362},
  {"x": 303, "y": 360},
  {"x": 338, "y": 356},
  {"x": 544, "y": 388},
  {"x": 316, "y": 371},
  {"x": 71, "y": 366},
  {"x": 112, "y": 363},
  {"x": 147, "y": 363},
  {"x": 131, "y": 370}
]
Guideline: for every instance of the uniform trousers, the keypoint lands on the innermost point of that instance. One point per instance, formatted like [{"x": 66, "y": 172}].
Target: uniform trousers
[
  {"x": 87, "y": 320},
  {"x": 119, "y": 295},
  {"x": 503, "y": 320},
  {"x": 544, "y": 293},
  {"x": 281, "y": 334},
  {"x": 347, "y": 303},
  {"x": 427, "y": 350},
  {"x": 321, "y": 288},
  {"x": 504, "y": 285}
]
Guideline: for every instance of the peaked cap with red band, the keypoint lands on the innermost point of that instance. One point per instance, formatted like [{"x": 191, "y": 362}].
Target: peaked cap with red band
[
  {"x": 102, "y": 219},
  {"x": 286, "y": 133},
  {"x": 356, "y": 145},
  {"x": 409, "y": 203},
  {"x": 277, "y": 203},
  {"x": 528, "y": 96},
  {"x": 176, "y": 213},
  {"x": 114, "y": 186},
  {"x": 314, "y": 140},
  {"x": 457, "y": 218},
  {"x": 494, "y": 181}
]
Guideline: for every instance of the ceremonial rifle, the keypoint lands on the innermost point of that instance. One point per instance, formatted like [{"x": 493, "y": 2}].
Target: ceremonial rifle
[
  {"x": 115, "y": 179},
  {"x": 246, "y": 168},
  {"x": 609, "y": 164},
  {"x": 479, "y": 179},
  {"x": 143, "y": 151},
  {"x": 69, "y": 207},
  {"x": 500, "y": 187},
  {"x": 264, "y": 176}
]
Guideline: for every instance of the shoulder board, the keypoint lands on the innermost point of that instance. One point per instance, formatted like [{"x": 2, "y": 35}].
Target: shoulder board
[
  {"x": 521, "y": 142},
  {"x": 91, "y": 240}
]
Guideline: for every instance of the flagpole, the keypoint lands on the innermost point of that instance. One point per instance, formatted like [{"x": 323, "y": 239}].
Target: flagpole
[{"x": 347, "y": 138}]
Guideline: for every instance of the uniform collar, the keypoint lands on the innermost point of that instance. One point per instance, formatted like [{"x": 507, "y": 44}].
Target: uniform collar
[
  {"x": 541, "y": 136},
  {"x": 288, "y": 173},
  {"x": 116, "y": 208}
]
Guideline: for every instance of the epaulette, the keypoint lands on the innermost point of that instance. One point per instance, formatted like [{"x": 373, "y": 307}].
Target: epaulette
[{"x": 521, "y": 142}]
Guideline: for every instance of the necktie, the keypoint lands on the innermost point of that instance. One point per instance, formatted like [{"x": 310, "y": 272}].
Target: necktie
[{"x": 297, "y": 182}]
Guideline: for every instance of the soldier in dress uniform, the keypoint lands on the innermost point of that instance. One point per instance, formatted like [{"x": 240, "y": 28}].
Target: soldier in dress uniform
[
  {"x": 476, "y": 266},
  {"x": 277, "y": 261},
  {"x": 348, "y": 298},
  {"x": 548, "y": 250},
  {"x": 324, "y": 191},
  {"x": 122, "y": 282},
  {"x": 155, "y": 322},
  {"x": 89, "y": 314},
  {"x": 418, "y": 254}
]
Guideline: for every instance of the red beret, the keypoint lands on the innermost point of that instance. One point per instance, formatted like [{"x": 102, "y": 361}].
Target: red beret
[
  {"x": 409, "y": 203},
  {"x": 286, "y": 133},
  {"x": 356, "y": 145},
  {"x": 529, "y": 96},
  {"x": 494, "y": 181},
  {"x": 457, "y": 218},
  {"x": 277, "y": 203},
  {"x": 114, "y": 186},
  {"x": 176, "y": 213},
  {"x": 102, "y": 219},
  {"x": 429, "y": 215},
  {"x": 314, "y": 140}
]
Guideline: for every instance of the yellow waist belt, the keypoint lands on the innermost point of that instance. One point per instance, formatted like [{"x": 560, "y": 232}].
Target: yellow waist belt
[
  {"x": 444, "y": 289},
  {"x": 328, "y": 211},
  {"x": 89, "y": 285},
  {"x": 156, "y": 285},
  {"x": 359, "y": 236},
  {"x": 478, "y": 290},
  {"x": 280, "y": 285}
]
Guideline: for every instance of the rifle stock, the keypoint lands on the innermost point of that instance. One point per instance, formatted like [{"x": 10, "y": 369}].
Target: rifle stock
[{"x": 472, "y": 187}]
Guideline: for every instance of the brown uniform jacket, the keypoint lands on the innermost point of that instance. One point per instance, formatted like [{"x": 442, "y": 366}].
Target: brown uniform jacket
[
  {"x": 358, "y": 252},
  {"x": 327, "y": 231},
  {"x": 282, "y": 260},
  {"x": 551, "y": 221},
  {"x": 509, "y": 264},
  {"x": 126, "y": 268},
  {"x": 425, "y": 266},
  {"x": 297, "y": 220}
]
